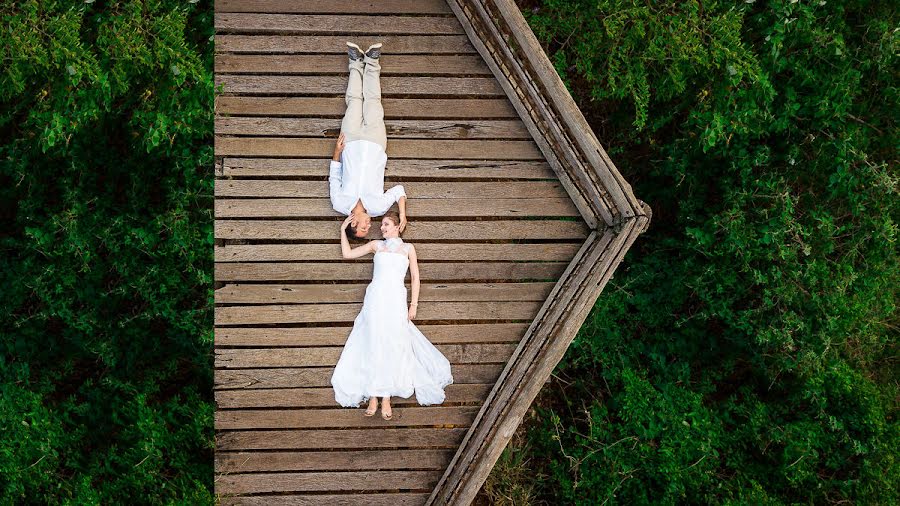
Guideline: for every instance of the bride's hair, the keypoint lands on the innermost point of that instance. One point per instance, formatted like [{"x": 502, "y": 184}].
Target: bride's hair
[{"x": 394, "y": 216}]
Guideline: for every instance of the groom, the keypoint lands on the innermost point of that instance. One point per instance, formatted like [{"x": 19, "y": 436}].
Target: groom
[{"x": 356, "y": 175}]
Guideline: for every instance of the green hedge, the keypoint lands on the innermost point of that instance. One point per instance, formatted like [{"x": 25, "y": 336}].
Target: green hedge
[
  {"x": 106, "y": 198},
  {"x": 745, "y": 352}
]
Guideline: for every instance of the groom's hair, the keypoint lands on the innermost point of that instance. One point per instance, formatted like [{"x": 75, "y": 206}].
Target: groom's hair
[{"x": 351, "y": 233}]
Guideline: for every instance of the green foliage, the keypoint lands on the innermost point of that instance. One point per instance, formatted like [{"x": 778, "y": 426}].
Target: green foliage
[
  {"x": 105, "y": 159},
  {"x": 512, "y": 480},
  {"x": 643, "y": 51},
  {"x": 746, "y": 351}
]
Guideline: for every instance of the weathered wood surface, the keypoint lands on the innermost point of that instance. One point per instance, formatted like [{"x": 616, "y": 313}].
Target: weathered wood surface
[
  {"x": 335, "y": 45},
  {"x": 325, "y": 313},
  {"x": 397, "y": 148},
  {"x": 312, "y": 439},
  {"x": 237, "y": 358},
  {"x": 473, "y": 253},
  {"x": 412, "y": 129},
  {"x": 337, "y": 85},
  {"x": 330, "y": 7},
  {"x": 326, "y": 481},
  {"x": 315, "y": 24},
  {"x": 328, "y": 64},
  {"x": 524, "y": 190},
  {"x": 324, "y": 397},
  {"x": 331, "y": 293},
  {"x": 358, "y": 271},
  {"x": 415, "y": 231},
  {"x": 394, "y": 108},
  {"x": 340, "y": 418},
  {"x": 317, "y": 499},
  {"x": 337, "y": 335},
  {"x": 363, "y": 460},
  {"x": 425, "y": 208},
  {"x": 305, "y": 377},
  {"x": 410, "y": 169}
]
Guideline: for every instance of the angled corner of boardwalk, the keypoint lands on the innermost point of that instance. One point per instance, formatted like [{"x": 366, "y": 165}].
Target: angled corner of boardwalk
[{"x": 518, "y": 216}]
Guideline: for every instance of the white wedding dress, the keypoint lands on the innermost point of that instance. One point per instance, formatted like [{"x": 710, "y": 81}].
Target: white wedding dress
[{"x": 385, "y": 354}]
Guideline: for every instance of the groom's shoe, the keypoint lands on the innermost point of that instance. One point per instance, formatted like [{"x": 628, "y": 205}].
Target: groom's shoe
[
  {"x": 354, "y": 52},
  {"x": 374, "y": 51}
]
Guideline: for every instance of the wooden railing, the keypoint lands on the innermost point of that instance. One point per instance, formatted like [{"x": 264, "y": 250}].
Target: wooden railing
[
  {"x": 500, "y": 34},
  {"x": 507, "y": 44}
]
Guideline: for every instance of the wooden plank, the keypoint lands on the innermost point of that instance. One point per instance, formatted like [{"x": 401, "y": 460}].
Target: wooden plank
[
  {"x": 337, "y": 336},
  {"x": 359, "y": 271},
  {"x": 337, "y": 85},
  {"x": 396, "y": 168},
  {"x": 245, "y": 358},
  {"x": 394, "y": 108},
  {"x": 324, "y": 397},
  {"x": 325, "y": 44},
  {"x": 415, "y": 190},
  {"x": 347, "y": 312},
  {"x": 425, "y": 64},
  {"x": 396, "y": 129},
  {"x": 424, "y": 251},
  {"x": 330, "y": 293},
  {"x": 398, "y": 148},
  {"x": 330, "y": 7},
  {"x": 317, "y": 499},
  {"x": 340, "y": 418},
  {"x": 416, "y": 208},
  {"x": 415, "y": 230},
  {"x": 364, "y": 460},
  {"x": 313, "y": 24},
  {"x": 321, "y": 376},
  {"x": 257, "y": 483},
  {"x": 350, "y": 439}
]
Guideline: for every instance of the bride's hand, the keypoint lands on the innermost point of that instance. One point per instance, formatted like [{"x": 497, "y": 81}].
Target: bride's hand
[
  {"x": 346, "y": 223},
  {"x": 412, "y": 313}
]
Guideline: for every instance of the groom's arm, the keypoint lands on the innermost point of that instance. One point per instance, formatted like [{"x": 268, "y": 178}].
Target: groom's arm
[
  {"x": 335, "y": 180},
  {"x": 335, "y": 184},
  {"x": 387, "y": 199}
]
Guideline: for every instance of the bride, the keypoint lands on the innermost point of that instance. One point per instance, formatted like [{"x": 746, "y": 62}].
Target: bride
[{"x": 385, "y": 354}]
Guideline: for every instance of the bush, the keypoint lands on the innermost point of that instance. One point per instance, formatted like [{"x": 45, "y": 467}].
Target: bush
[
  {"x": 746, "y": 351},
  {"x": 106, "y": 192}
]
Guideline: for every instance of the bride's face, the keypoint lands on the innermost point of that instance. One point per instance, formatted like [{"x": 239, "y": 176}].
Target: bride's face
[{"x": 389, "y": 228}]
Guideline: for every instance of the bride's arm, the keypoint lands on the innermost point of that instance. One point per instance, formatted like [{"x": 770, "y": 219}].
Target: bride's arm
[
  {"x": 414, "y": 281},
  {"x": 347, "y": 251}
]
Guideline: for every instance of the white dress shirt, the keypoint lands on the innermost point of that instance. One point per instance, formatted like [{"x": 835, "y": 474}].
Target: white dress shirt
[{"x": 360, "y": 176}]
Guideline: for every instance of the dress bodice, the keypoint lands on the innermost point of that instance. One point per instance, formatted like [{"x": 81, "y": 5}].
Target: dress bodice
[{"x": 391, "y": 261}]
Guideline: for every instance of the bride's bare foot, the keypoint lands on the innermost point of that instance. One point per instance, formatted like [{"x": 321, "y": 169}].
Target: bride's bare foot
[
  {"x": 373, "y": 406},
  {"x": 386, "y": 411}
]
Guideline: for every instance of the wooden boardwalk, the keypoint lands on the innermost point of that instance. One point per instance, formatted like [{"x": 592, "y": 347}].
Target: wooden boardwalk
[{"x": 493, "y": 226}]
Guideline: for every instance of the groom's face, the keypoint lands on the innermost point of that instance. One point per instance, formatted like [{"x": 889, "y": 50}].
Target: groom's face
[{"x": 362, "y": 223}]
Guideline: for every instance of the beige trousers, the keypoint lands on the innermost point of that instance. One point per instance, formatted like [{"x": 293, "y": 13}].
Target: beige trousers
[{"x": 364, "y": 118}]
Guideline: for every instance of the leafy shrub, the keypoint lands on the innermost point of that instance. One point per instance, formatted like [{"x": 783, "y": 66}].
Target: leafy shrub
[
  {"x": 106, "y": 198},
  {"x": 745, "y": 353}
]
